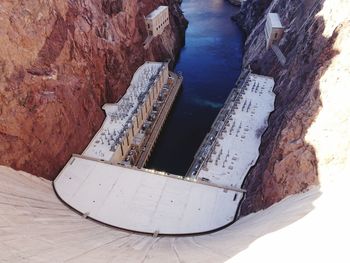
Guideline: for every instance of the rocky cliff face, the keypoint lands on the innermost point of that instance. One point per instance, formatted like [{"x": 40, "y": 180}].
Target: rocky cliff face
[
  {"x": 59, "y": 62},
  {"x": 307, "y": 136}
]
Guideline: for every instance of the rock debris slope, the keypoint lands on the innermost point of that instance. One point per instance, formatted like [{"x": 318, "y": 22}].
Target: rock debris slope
[{"x": 59, "y": 62}]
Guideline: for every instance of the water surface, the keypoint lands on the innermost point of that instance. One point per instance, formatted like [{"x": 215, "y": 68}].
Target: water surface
[{"x": 210, "y": 63}]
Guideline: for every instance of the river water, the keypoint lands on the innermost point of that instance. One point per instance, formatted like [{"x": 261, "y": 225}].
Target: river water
[{"x": 210, "y": 63}]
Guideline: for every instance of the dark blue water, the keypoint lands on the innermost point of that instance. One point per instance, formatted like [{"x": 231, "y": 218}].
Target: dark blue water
[{"x": 210, "y": 63}]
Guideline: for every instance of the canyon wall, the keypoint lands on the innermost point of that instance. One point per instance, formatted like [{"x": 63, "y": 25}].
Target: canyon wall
[
  {"x": 60, "y": 61},
  {"x": 308, "y": 137}
]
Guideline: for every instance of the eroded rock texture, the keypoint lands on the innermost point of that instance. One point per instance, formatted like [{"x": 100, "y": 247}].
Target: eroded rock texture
[
  {"x": 59, "y": 62},
  {"x": 316, "y": 36}
]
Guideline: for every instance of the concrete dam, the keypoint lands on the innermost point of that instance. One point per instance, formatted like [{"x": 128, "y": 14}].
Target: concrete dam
[
  {"x": 108, "y": 182},
  {"x": 107, "y": 206},
  {"x": 103, "y": 184}
]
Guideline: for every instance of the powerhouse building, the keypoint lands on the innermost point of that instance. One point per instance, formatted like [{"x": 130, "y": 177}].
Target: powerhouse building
[
  {"x": 125, "y": 119},
  {"x": 157, "y": 21},
  {"x": 273, "y": 29}
]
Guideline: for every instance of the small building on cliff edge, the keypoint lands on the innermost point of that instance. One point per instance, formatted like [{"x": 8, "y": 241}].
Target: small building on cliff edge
[
  {"x": 273, "y": 29},
  {"x": 157, "y": 20}
]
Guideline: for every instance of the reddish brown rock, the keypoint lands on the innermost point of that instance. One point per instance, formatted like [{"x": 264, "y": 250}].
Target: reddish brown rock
[
  {"x": 59, "y": 63},
  {"x": 290, "y": 162}
]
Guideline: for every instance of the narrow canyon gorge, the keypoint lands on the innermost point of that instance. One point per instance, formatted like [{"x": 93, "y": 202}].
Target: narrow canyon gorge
[{"x": 60, "y": 61}]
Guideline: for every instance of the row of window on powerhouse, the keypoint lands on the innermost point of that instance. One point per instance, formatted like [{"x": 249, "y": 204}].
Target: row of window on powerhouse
[{"x": 164, "y": 23}]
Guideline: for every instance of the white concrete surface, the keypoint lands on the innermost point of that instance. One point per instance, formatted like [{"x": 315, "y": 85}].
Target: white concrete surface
[
  {"x": 120, "y": 114},
  {"x": 142, "y": 201},
  {"x": 157, "y": 11},
  {"x": 237, "y": 146},
  {"x": 35, "y": 227},
  {"x": 274, "y": 19}
]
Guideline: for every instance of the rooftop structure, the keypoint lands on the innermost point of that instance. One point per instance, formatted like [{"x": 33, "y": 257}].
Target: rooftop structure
[
  {"x": 274, "y": 20},
  {"x": 157, "y": 21},
  {"x": 155, "y": 13},
  {"x": 232, "y": 146},
  {"x": 125, "y": 118},
  {"x": 273, "y": 29}
]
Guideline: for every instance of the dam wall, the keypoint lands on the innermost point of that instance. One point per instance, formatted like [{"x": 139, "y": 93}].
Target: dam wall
[{"x": 141, "y": 200}]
